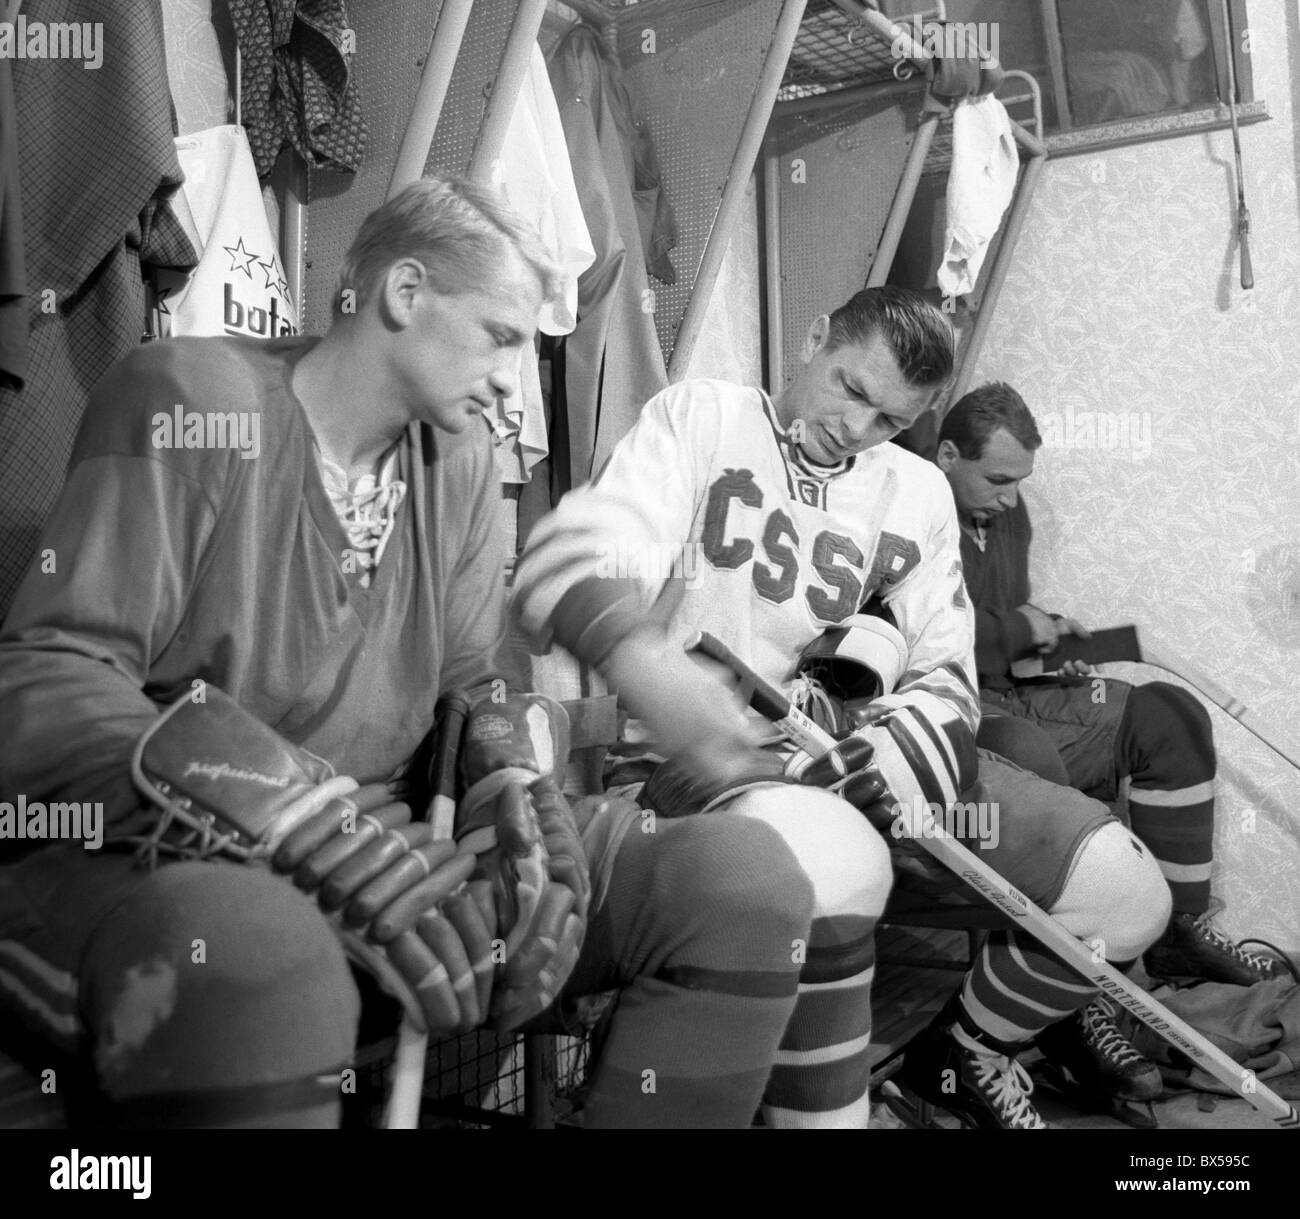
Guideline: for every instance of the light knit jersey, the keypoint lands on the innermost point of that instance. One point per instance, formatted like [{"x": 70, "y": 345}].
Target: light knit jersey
[
  {"x": 708, "y": 504},
  {"x": 367, "y": 508}
]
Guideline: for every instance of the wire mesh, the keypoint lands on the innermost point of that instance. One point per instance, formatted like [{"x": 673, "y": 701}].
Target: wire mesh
[{"x": 836, "y": 51}]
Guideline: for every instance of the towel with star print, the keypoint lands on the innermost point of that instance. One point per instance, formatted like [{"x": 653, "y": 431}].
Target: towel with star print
[{"x": 239, "y": 286}]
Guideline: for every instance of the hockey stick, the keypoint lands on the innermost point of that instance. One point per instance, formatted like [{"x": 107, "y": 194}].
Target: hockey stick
[
  {"x": 770, "y": 702},
  {"x": 1243, "y": 212},
  {"x": 1121, "y": 643},
  {"x": 406, "y": 1075}
]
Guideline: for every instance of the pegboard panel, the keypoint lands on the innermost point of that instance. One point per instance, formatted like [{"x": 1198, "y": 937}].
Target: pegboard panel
[
  {"x": 471, "y": 82},
  {"x": 694, "y": 87},
  {"x": 392, "y": 41},
  {"x": 838, "y": 173}
]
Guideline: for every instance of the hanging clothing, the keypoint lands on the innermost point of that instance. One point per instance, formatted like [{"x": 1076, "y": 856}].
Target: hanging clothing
[
  {"x": 98, "y": 167},
  {"x": 981, "y": 182},
  {"x": 297, "y": 82},
  {"x": 13, "y": 278},
  {"x": 239, "y": 286},
  {"x": 537, "y": 181},
  {"x": 613, "y": 363}
]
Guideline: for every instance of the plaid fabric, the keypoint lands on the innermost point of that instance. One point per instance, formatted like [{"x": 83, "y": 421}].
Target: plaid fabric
[
  {"x": 97, "y": 164},
  {"x": 296, "y": 82}
]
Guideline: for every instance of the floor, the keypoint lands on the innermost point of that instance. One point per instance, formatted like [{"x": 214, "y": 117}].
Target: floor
[{"x": 906, "y": 997}]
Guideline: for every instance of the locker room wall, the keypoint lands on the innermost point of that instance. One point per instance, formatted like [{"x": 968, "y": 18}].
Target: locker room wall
[{"x": 1124, "y": 298}]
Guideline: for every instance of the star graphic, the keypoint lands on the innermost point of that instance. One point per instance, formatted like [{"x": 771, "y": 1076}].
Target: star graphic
[
  {"x": 160, "y": 299},
  {"x": 237, "y": 252},
  {"x": 282, "y": 286},
  {"x": 270, "y": 271}
]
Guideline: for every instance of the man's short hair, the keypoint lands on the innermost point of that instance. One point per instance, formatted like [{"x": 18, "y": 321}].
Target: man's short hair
[
  {"x": 980, "y": 413},
  {"x": 913, "y": 329},
  {"x": 455, "y": 228}
]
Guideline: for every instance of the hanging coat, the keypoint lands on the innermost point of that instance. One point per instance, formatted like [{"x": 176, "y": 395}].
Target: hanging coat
[{"x": 613, "y": 363}]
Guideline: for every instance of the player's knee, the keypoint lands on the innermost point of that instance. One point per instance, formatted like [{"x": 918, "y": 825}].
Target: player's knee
[
  {"x": 1133, "y": 900},
  {"x": 213, "y": 975},
  {"x": 846, "y": 860},
  {"x": 1024, "y": 743},
  {"x": 1159, "y": 709},
  {"x": 743, "y": 874}
]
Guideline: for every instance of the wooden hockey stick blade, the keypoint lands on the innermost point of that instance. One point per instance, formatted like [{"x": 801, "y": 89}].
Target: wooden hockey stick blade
[{"x": 1001, "y": 893}]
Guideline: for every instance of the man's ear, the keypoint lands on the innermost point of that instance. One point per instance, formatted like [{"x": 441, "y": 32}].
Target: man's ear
[
  {"x": 818, "y": 334},
  {"x": 402, "y": 284},
  {"x": 946, "y": 455}
]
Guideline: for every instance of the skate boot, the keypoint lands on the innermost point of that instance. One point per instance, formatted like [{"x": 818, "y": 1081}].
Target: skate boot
[
  {"x": 1093, "y": 1065},
  {"x": 1192, "y": 947},
  {"x": 954, "y": 1066}
]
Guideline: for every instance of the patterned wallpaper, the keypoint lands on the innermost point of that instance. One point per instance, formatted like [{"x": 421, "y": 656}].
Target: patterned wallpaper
[
  {"x": 1168, "y": 493},
  {"x": 194, "y": 64}
]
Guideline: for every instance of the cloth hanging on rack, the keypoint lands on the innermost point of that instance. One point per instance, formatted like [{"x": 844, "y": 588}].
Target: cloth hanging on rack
[
  {"x": 613, "y": 363},
  {"x": 982, "y": 180},
  {"x": 296, "y": 82},
  {"x": 537, "y": 181},
  {"x": 98, "y": 167},
  {"x": 239, "y": 285},
  {"x": 13, "y": 277}
]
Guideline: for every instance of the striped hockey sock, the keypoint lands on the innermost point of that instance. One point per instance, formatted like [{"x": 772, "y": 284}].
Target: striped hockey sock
[
  {"x": 822, "y": 1068},
  {"x": 698, "y": 930},
  {"x": 1016, "y": 989},
  {"x": 1167, "y": 743}
]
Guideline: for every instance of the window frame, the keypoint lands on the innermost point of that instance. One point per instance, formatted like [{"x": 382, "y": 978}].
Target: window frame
[{"x": 1064, "y": 139}]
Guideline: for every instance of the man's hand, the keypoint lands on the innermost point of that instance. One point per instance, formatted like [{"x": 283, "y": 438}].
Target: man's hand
[
  {"x": 1049, "y": 629},
  {"x": 695, "y": 718},
  {"x": 1041, "y": 626}
]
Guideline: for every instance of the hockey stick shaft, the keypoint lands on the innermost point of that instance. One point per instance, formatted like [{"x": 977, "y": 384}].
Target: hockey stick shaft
[
  {"x": 1161, "y": 658},
  {"x": 773, "y": 704}
]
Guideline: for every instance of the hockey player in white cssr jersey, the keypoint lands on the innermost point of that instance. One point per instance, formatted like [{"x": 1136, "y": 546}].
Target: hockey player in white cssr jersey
[{"x": 797, "y": 513}]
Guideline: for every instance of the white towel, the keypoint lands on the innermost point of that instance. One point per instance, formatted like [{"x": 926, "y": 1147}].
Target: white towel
[
  {"x": 537, "y": 181},
  {"x": 980, "y": 185}
]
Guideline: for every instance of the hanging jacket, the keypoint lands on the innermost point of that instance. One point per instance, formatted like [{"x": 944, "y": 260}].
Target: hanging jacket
[{"x": 613, "y": 363}]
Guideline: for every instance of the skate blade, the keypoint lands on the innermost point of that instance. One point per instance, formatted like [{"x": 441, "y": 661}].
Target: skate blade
[
  {"x": 1138, "y": 1115},
  {"x": 914, "y": 1112}
]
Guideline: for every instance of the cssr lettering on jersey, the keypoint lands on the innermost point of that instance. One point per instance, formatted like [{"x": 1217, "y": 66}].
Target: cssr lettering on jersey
[{"x": 842, "y": 580}]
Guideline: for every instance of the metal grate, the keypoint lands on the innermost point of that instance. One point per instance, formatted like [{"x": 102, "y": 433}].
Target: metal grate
[
  {"x": 477, "y": 1080},
  {"x": 835, "y": 51}
]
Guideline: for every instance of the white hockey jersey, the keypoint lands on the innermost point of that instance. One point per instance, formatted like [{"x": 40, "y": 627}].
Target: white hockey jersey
[{"x": 706, "y": 501}]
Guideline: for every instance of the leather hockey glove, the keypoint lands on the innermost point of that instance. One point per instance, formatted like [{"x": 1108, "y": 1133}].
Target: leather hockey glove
[
  {"x": 515, "y": 820},
  {"x": 226, "y": 785},
  {"x": 914, "y": 756}
]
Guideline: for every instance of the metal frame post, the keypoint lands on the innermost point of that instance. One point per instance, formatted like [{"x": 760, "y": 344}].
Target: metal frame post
[
  {"x": 1001, "y": 265},
  {"x": 903, "y": 197},
  {"x": 742, "y": 165},
  {"x": 772, "y": 273},
  {"x": 413, "y": 154},
  {"x": 505, "y": 89}
]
